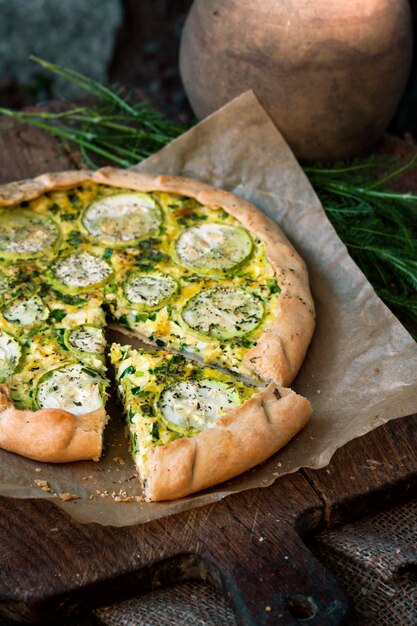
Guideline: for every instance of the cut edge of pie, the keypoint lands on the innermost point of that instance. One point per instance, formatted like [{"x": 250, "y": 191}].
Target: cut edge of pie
[{"x": 176, "y": 459}]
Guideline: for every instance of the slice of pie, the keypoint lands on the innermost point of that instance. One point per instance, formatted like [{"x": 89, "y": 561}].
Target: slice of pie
[{"x": 192, "y": 426}]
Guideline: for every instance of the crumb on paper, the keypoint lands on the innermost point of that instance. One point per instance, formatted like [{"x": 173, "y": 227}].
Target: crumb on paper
[
  {"x": 268, "y": 609},
  {"x": 122, "y": 496},
  {"x": 66, "y": 497},
  {"x": 38, "y": 469},
  {"x": 119, "y": 460},
  {"x": 42, "y": 484}
]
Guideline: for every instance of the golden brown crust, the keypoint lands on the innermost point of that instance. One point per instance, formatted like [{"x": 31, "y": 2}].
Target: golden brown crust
[
  {"x": 243, "y": 438},
  {"x": 50, "y": 435}
]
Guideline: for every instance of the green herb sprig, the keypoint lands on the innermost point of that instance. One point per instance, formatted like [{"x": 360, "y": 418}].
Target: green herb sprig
[
  {"x": 116, "y": 127},
  {"x": 378, "y": 226}
]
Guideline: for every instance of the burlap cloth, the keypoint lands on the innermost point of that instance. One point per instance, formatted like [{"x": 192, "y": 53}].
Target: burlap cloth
[{"x": 374, "y": 560}]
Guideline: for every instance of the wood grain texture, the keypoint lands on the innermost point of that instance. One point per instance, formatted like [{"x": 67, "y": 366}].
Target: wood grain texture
[
  {"x": 370, "y": 473},
  {"x": 26, "y": 152},
  {"x": 249, "y": 545}
]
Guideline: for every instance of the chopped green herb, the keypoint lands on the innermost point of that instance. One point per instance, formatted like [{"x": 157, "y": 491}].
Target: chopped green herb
[
  {"x": 74, "y": 300},
  {"x": 123, "y": 319},
  {"x": 147, "y": 409},
  {"x": 196, "y": 217},
  {"x": 146, "y": 267},
  {"x": 74, "y": 238},
  {"x": 57, "y": 315},
  {"x": 89, "y": 371},
  {"x": 74, "y": 199},
  {"x": 273, "y": 285},
  {"x": 129, "y": 370},
  {"x": 141, "y": 317},
  {"x": 155, "y": 431},
  {"x": 107, "y": 253}
]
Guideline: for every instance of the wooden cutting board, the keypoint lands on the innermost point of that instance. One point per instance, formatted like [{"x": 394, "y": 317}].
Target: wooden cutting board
[{"x": 250, "y": 545}]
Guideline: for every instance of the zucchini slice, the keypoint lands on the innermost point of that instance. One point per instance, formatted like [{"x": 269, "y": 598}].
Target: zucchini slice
[
  {"x": 10, "y": 353},
  {"x": 73, "y": 388},
  {"x": 26, "y": 311},
  {"x": 26, "y": 233},
  {"x": 223, "y": 312},
  {"x": 81, "y": 270},
  {"x": 122, "y": 219},
  {"x": 191, "y": 405},
  {"x": 149, "y": 290},
  {"x": 213, "y": 246},
  {"x": 86, "y": 339}
]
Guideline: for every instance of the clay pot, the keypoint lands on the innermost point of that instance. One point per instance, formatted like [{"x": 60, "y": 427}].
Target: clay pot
[{"x": 329, "y": 72}]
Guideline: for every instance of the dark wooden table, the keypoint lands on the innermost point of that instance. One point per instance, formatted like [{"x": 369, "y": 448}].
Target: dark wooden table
[{"x": 250, "y": 545}]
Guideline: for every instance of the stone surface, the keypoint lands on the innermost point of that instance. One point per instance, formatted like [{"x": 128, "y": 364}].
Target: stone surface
[{"x": 78, "y": 34}]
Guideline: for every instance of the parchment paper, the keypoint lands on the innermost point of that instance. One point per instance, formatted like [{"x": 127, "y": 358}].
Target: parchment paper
[{"x": 360, "y": 370}]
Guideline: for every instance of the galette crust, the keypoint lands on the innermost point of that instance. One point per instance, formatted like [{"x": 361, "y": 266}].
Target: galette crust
[
  {"x": 242, "y": 438},
  {"x": 50, "y": 435}
]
